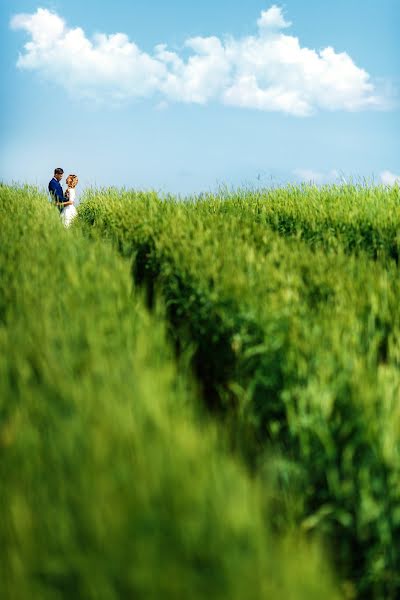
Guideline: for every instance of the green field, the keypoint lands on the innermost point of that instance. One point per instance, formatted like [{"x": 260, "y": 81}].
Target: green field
[{"x": 201, "y": 398}]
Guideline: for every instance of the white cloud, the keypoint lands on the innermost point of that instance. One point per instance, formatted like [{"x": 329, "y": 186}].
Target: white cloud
[
  {"x": 272, "y": 19},
  {"x": 268, "y": 71},
  {"x": 309, "y": 175},
  {"x": 108, "y": 67},
  {"x": 388, "y": 178},
  {"x": 202, "y": 77}
]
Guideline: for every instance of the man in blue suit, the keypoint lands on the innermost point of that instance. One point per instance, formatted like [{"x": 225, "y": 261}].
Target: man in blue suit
[{"x": 56, "y": 191}]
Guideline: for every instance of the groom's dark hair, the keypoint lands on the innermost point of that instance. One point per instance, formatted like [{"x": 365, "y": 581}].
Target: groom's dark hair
[{"x": 58, "y": 171}]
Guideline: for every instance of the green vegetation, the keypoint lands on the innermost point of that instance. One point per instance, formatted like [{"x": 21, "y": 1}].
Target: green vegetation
[
  {"x": 290, "y": 302},
  {"x": 113, "y": 483},
  {"x": 356, "y": 218}
]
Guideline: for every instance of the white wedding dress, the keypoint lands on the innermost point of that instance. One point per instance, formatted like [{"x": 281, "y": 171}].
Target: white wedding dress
[{"x": 69, "y": 212}]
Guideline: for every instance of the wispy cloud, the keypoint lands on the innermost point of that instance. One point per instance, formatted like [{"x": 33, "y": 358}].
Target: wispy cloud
[
  {"x": 269, "y": 70},
  {"x": 388, "y": 178},
  {"x": 335, "y": 176},
  {"x": 319, "y": 177}
]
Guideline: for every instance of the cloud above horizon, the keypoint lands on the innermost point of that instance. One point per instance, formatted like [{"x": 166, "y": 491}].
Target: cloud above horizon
[
  {"x": 318, "y": 177},
  {"x": 334, "y": 176},
  {"x": 269, "y": 70},
  {"x": 389, "y": 178}
]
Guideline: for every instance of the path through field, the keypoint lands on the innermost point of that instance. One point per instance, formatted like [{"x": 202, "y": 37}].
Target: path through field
[{"x": 114, "y": 481}]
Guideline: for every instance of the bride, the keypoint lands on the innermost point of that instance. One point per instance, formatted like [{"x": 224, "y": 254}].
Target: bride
[{"x": 69, "y": 212}]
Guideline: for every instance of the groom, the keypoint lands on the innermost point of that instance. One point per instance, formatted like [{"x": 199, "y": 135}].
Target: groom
[{"x": 56, "y": 191}]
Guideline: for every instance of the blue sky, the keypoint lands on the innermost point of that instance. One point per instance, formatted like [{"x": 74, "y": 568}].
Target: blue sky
[{"x": 194, "y": 95}]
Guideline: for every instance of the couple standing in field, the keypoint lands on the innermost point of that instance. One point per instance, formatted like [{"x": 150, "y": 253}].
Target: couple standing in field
[{"x": 64, "y": 202}]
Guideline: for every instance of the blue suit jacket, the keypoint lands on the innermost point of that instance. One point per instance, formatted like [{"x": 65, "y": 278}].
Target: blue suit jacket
[{"x": 56, "y": 192}]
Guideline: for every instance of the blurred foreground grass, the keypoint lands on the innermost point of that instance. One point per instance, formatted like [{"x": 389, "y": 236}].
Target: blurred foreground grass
[
  {"x": 111, "y": 484},
  {"x": 290, "y": 299}
]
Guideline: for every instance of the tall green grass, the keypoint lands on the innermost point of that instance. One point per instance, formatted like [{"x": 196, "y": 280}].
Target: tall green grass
[
  {"x": 356, "y": 218},
  {"x": 297, "y": 337},
  {"x": 111, "y": 485}
]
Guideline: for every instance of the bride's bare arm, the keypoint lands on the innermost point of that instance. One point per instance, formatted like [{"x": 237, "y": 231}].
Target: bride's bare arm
[
  {"x": 68, "y": 203},
  {"x": 68, "y": 197}
]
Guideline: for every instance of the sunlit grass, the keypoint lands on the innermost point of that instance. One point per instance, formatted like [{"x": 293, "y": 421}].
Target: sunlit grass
[
  {"x": 112, "y": 482},
  {"x": 290, "y": 298}
]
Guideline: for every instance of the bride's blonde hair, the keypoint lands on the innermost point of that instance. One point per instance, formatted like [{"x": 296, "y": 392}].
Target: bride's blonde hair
[{"x": 72, "y": 181}]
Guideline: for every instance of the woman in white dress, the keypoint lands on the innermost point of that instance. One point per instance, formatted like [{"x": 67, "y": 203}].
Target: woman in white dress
[{"x": 69, "y": 212}]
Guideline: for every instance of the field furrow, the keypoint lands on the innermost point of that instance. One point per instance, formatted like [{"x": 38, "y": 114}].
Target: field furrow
[{"x": 295, "y": 340}]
